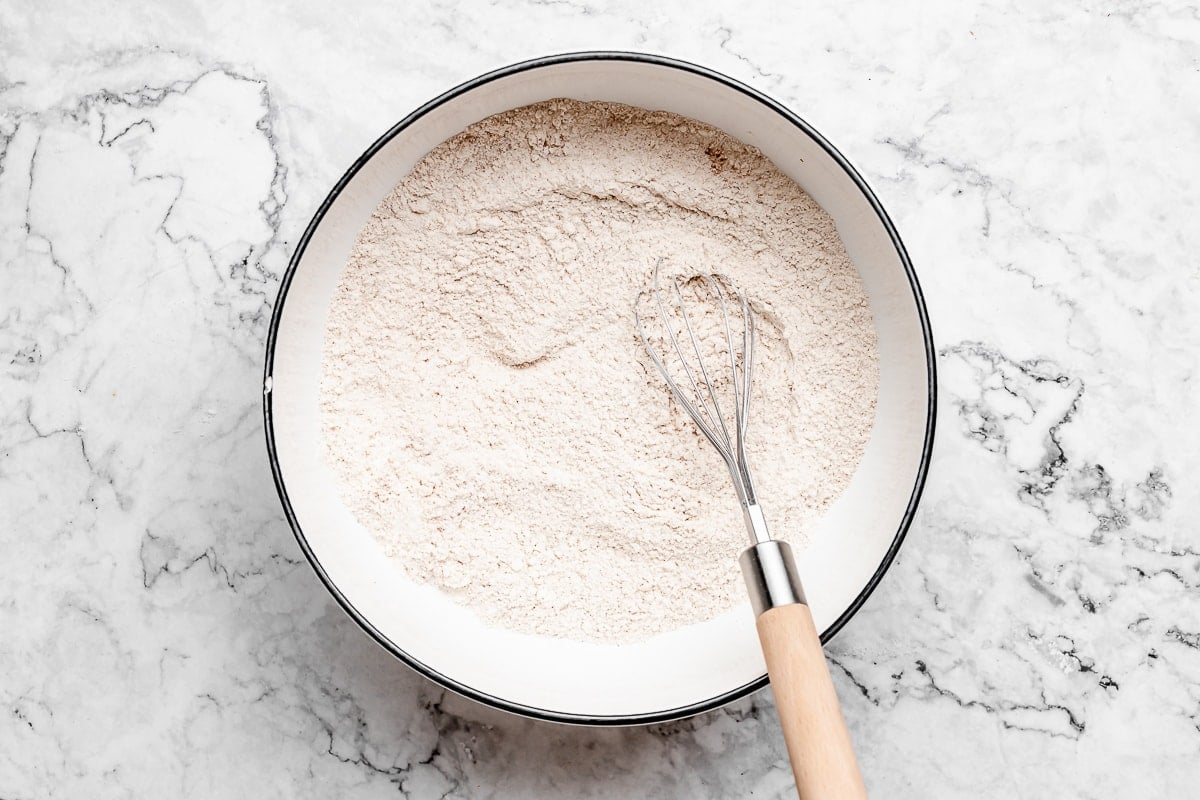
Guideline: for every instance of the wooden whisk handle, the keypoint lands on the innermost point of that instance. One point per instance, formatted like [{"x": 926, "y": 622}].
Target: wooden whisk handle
[{"x": 818, "y": 742}]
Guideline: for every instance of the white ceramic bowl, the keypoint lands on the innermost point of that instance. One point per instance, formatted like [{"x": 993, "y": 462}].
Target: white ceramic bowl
[{"x": 684, "y": 671}]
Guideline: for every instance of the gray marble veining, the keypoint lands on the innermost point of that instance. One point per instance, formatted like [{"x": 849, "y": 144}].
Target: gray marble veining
[{"x": 1039, "y": 635}]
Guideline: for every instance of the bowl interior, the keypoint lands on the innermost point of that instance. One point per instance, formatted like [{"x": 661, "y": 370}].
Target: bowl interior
[{"x": 680, "y": 671}]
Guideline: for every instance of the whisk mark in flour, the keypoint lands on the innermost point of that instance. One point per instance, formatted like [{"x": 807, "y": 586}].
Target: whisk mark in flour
[{"x": 487, "y": 407}]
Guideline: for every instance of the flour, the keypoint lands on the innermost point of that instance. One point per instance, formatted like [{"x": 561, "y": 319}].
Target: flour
[{"x": 488, "y": 410}]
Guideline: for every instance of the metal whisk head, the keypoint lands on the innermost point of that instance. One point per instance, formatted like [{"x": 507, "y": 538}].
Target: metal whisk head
[{"x": 706, "y": 356}]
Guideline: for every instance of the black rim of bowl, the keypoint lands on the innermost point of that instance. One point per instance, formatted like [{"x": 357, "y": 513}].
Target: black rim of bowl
[{"x": 397, "y": 129}]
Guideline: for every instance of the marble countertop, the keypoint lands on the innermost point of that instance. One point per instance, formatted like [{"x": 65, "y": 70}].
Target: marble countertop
[{"x": 1039, "y": 635}]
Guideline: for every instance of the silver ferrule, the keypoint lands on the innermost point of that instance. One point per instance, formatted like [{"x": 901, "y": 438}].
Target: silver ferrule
[{"x": 771, "y": 577}]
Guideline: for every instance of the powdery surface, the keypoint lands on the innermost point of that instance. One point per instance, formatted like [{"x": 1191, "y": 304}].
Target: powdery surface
[{"x": 486, "y": 404}]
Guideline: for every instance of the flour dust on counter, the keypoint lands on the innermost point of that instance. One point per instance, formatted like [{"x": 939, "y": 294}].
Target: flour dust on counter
[{"x": 490, "y": 415}]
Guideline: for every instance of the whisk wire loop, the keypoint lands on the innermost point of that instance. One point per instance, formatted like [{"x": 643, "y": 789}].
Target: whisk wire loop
[
  {"x": 710, "y": 391},
  {"x": 678, "y": 337}
]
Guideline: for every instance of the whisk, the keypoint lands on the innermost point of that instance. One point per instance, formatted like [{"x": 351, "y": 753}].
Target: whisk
[{"x": 707, "y": 361}]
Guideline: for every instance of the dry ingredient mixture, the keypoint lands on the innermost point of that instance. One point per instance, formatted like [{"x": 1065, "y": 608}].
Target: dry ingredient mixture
[{"x": 487, "y": 407}]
